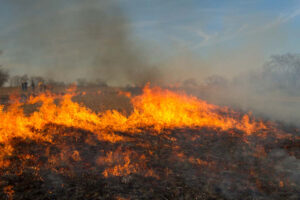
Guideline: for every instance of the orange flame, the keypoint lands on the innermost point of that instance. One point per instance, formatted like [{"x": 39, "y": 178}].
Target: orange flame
[
  {"x": 166, "y": 109},
  {"x": 127, "y": 94},
  {"x": 155, "y": 109}
]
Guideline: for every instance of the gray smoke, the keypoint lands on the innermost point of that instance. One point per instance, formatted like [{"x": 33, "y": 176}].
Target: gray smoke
[
  {"x": 83, "y": 39},
  {"x": 282, "y": 73},
  {"x": 271, "y": 92}
]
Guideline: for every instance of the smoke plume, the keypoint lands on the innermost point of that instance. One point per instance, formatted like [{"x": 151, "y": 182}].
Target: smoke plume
[{"x": 87, "y": 39}]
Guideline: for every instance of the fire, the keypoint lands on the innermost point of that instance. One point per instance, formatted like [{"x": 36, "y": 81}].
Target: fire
[
  {"x": 166, "y": 109},
  {"x": 156, "y": 109},
  {"x": 120, "y": 164},
  {"x": 127, "y": 94},
  {"x": 9, "y": 191},
  {"x": 154, "y": 141}
]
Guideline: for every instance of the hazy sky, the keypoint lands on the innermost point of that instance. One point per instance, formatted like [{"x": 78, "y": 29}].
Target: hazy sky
[{"x": 224, "y": 37}]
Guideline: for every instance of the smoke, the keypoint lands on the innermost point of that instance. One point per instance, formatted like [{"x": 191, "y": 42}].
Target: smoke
[
  {"x": 271, "y": 91},
  {"x": 83, "y": 39}
]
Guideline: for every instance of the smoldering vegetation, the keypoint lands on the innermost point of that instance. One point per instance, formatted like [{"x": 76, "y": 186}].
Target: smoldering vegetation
[
  {"x": 270, "y": 92},
  {"x": 89, "y": 39}
]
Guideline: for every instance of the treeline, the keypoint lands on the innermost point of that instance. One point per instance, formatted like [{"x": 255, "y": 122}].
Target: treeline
[
  {"x": 82, "y": 82},
  {"x": 16, "y": 81}
]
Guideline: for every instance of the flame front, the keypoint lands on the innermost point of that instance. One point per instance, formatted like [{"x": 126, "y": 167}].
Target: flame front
[{"x": 157, "y": 108}]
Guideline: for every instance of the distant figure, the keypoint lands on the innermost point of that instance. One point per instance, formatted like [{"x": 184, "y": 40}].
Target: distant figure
[
  {"x": 24, "y": 86},
  {"x": 32, "y": 85}
]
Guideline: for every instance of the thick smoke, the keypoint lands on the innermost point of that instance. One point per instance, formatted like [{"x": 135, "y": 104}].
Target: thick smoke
[{"x": 83, "y": 39}]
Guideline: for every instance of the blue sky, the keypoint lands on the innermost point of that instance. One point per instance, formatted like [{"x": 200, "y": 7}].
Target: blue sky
[
  {"x": 204, "y": 24},
  {"x": 237, "y": 35}
]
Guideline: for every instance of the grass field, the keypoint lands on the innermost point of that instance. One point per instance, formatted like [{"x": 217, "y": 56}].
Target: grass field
[{"x": 97, "y": 99}]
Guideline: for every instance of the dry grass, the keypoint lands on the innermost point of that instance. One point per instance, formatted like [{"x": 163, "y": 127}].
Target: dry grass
[{"x": 98, "y": 99}]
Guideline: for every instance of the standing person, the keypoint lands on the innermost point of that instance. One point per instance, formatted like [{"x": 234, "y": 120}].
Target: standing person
[
  {"x": 24, "y": 83},
  {"x": 25, "y": 86},
  {"x": 32, "y": 85}
]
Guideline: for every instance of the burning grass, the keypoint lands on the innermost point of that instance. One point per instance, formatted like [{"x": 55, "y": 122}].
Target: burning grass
[{"x": 171, "y": 146}]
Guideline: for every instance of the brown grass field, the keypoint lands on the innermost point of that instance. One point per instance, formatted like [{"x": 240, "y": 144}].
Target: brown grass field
[{"x": 98, "y": 99}]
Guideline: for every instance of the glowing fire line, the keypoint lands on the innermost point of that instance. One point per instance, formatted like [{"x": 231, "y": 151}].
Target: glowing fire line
[{"x": 155, "y": 108}]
